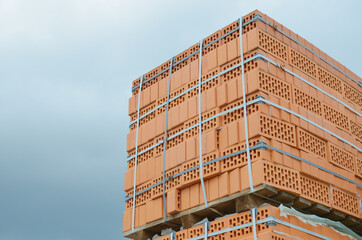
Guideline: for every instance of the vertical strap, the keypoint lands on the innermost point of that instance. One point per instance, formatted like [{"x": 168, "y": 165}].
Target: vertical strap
[
  {"x": 254, "y": 212},
  {"x": 206, "y": 228},
  {"x": 165, "y": 141},
  {"x": 136, "y": 152},
  {"x": 244, "y": 101},
  {"x": 172, "y": 235},
  {"x": 200, "y": 130}
]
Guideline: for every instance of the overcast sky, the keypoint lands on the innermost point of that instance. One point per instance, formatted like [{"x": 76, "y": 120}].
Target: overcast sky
[{"x": 65, "y": 77}]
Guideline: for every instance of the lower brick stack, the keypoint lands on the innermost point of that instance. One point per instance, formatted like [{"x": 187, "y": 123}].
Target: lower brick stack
[{"x": 274, "y": 227}]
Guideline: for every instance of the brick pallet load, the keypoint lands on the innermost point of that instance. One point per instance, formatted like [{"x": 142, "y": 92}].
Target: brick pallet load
[{"x": 232, "y": 123}]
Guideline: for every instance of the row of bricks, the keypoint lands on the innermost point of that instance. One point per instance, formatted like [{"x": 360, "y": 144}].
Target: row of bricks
[
  {"x": 263, "y": 231},
  {"x": 278, "y": 176},
  {"x": 309, "y": 139},
  {"x": 239, "y": 160},
  {"x": 226, "y": 93},
  {"x": 259, "y": 39},
  {"x": 146, "y": 214},
  {"x": 282, "y": 40},
  {"x": 258, "y": 80},
  {"x": 216, "y": 58},
  {"x": 352, "y": 94},
  {"x": 288, "y": 234},
  {"x": 150, "y": 171}
]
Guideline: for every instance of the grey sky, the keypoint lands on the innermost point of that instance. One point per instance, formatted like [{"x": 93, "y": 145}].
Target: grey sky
[{"x": 65, "y": 76}]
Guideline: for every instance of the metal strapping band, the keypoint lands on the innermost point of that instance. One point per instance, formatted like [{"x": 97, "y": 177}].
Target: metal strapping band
[
  {"x": 135, "y": 166},
  {"x": 206, "y": 228},
  {"x": 250, "y": 173},
  {"x": 200, "y": 129},
  {"x": 253, "y": 213},
  {"x": 165, "y": 142}
]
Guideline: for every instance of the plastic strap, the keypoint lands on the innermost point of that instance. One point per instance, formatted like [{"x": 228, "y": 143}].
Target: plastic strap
[
  {"x": 206, "y": 228},
  {"x": 200, "y": 130},
  {"x": 136, "y": 151},
  {"x": 250, "y": 173},
  {"x": 165, "y": 142},
  {"x": 254, "y": 212}
]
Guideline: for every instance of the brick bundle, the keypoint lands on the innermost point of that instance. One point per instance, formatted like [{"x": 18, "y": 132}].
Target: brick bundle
[{"x": 304, "y": 128}]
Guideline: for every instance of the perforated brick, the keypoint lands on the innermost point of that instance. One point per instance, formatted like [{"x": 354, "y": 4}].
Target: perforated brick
[
  {"x": 194, "y": 131},
  {"x": 272, "y": 127},
  {"x": 211, "y": 83},
  {"x": 218, "y": 225},
  {"x": 176, "y": 140},
  {"x": 332, "y": 115},
  {"x": 211, "y": 124},
  {"x": 140, "y": 198},
  {"x": 307, "y": 101},
  {"x": 251, "y": 25},
  {"x": 182, "y": 235},
  {"x": 194, "y": 48},
  {"x": 315, "y": 190},
  {"x": 311, "y": 143},
  {"x": 301, "y": 62},
  {"x": 239, "y": 160},
  {"x": 329, "y": 80},
  {"x": 341, "y": 157},
  {"x": 258, "y": 38},
  {"x": 159, "y": 149},
  {"x": 356, "y": 129},
  {"x": 236, "y": 72},
  {"x": 194, "y": 92},
  {"x": 211, "y": 169},
  {"x": 178, "y": 100},
  {"x": 173, "y": 182},
  {"x": 210, "y": 39},
  {"x": 269, "y": 84},
  {"x": 345, "y": 202},
  {"x": 157, "y": 190},
  {"x": 278, "y": 176},
  {"x": 243, "y": 218},
  {"x": 228, "y": 29},
  {"x": 239, "y": 113},
  {"x": 192, "y": 176},
  {"x": 196, "y": 231},
  {"x": 352, "y": 94}
]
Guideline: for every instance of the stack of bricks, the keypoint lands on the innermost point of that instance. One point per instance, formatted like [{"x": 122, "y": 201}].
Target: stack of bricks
[
  {"x": 266, "y": 230},
  {"x": 304, "y": 127}
]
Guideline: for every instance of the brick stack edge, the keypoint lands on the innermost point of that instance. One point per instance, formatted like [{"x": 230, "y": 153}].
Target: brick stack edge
[{"x": 225, "y": 134}]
